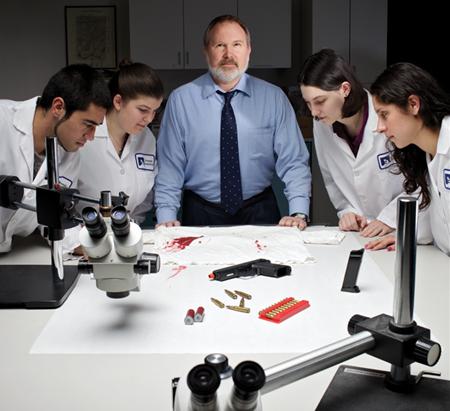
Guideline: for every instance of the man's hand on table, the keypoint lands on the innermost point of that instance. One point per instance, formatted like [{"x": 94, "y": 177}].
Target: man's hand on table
[
  {"x": 292, "y": 222},
  {"x": 169, "y": 224}
]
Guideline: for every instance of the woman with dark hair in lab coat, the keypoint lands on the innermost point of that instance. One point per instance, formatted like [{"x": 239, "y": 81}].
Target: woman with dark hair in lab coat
[
  {"x": 414, "y": 114},
  {"x": 355, "y": 163},
  {"x": 122, "y": 156}
]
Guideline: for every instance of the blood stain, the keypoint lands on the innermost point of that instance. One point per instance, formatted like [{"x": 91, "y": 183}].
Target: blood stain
[
  {"x": 177, "y": 270},
  {"x": 177, "y": 244}
]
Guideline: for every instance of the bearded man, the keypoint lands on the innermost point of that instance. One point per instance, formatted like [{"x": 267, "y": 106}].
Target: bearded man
[{"x": 222, "y": 138}]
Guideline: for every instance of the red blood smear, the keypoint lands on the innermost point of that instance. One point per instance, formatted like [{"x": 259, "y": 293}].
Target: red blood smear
[
  {"x": 177, "y": 270},
  {"x": 176, "y": 244}
]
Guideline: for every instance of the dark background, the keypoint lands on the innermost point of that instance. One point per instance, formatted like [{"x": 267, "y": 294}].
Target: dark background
[{"x": 419, "y": 33}]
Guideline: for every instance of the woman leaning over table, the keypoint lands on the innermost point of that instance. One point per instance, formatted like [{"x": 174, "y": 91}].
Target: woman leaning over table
[
  {"x": 414, "y": 114},
  {"x": 122, "y": 156}
]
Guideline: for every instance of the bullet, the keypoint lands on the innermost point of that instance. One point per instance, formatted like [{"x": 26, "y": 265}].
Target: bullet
[
  {"x": 244, "y": 295},
  {"x": 231, "y": 294},
  {"x": 242, "y": 303},
  {"x": 237, "y": 308},
  {"x": 217, "y": 302}
]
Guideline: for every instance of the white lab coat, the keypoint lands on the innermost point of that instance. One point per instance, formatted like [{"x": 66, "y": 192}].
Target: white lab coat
[
  {"x": 363, "y": 185},
  {"x": 134, "y": 173},
  {"x": 17, "y": 159},
  {"x": 439, "y": 174}
]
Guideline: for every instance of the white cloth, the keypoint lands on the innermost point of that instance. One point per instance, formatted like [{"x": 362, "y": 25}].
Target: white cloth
[
  {"x": 134, "y": 173},
  {"x": 235, "y": 245},
  {"x": 363, "y": 185},
  {"x": 17, "y": 159},
  {"x": 322, "y": 237},
  {"x": 439, "y": 173}
]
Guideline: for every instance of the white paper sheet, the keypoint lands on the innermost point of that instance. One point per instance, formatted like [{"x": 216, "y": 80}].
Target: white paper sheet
[{"x": 152, "y": 321}]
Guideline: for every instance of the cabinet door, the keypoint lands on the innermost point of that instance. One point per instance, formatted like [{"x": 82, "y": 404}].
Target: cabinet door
[
  {"x": 269, "y": 23},
  {"x": 368, "y": 42},
  {"x": 197, "y": 16},
  {"x": 331, "y": 26},
  {"x": 156, "y": 33}
]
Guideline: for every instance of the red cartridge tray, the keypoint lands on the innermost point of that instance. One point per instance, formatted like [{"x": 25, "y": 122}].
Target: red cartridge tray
[{"x": 281, "y": 311}]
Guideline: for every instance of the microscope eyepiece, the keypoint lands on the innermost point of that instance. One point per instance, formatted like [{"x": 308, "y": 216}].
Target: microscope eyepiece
[
  {"x": 94, "y": 222},
  {"x": 248, "y": 378},
  {"x": 203, "y": 381},
  {"x": 120, "y": 221}
]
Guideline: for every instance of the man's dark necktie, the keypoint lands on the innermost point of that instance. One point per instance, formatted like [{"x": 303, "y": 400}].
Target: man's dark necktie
[{"x": 230, "y": 172}]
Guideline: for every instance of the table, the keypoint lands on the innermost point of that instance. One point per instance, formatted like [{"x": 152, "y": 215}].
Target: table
[{"x": 142, "y": 381}]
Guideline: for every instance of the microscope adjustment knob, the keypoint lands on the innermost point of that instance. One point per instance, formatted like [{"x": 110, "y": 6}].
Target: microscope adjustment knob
[
  {"x": 353, "y": 321},
  {"x": 220, "y": 363},
  {"x": 426, "y": 352}
]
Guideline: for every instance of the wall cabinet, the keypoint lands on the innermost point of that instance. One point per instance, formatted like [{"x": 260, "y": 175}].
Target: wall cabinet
[
  {"x": 169, "y": 34},
  {"x": 355, "y": 29}
]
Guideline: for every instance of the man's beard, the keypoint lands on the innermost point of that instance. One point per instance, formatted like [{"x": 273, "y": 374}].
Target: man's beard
[{"x": 224, "y": 74}]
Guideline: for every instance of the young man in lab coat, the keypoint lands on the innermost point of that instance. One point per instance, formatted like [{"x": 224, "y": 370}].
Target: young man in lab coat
[{"x": 73, "y": 103}]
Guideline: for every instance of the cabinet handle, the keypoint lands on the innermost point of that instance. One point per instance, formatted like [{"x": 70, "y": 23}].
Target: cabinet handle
[
  {"x": 187, "y": 58},
  {"x": 179, "y": 58}
]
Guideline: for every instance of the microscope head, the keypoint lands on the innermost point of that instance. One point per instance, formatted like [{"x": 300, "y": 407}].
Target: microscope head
[{"x": 114, "y": 245}]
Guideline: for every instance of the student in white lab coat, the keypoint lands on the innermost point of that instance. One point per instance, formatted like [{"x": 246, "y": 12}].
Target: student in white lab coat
[
  {"x": 414, "y": 113},
  {"x": 72, "y": 104},
  {"x": 355, "y": 163},
  {"x": 123, "y": 154}
]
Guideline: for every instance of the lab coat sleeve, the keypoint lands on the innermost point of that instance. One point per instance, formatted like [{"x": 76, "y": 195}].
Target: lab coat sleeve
[
  {"x": 340, "y": 202},
  {"x": 388, "y": 216},
  {"x": 292, "y": 165},
  {"x": 172, "y": 162},
  {"x": 141, "y": 210}
]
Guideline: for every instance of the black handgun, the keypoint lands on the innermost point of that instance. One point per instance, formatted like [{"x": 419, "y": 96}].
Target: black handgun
[{"x": 250, "y": 268}]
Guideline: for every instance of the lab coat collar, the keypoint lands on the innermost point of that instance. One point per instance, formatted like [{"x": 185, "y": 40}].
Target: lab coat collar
[
  {"x": 24, "y": 117},
  {"x": 443, "y": 145},
  {"x": 23, "y": 122},
  {"x": 102, "y": 133},
  {"x": 370, "y": 131},
  {"x": 210, "y": 87}
]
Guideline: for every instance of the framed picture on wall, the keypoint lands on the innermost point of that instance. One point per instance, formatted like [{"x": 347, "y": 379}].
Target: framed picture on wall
[{"x": 91, "y": 36}]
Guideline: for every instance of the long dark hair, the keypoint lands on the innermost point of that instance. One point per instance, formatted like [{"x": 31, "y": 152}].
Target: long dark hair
[
  {"x": 134, "y": 80},
  {"x": 394, "y": 86},
  {"x": 327, "y": 70}
]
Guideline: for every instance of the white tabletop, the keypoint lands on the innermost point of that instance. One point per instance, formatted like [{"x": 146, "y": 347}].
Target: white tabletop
[{"x": 142, "y": 381}]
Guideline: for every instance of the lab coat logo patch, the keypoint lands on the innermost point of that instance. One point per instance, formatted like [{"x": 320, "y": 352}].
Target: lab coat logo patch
[
  {"x": 145, "y": 161},
  {"x": 385, "y": 160},
  {"x": 447, "y": 178},
  {"x": 64, "y": 181}
]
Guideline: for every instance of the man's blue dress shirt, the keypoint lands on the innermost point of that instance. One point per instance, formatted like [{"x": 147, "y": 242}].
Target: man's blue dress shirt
[{"x": 188, "y": 146}]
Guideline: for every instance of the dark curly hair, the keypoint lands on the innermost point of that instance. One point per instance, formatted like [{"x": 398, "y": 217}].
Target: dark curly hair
[{"x": 394, "y": 86}]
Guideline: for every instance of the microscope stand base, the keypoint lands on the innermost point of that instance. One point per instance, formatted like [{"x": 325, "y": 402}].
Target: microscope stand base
[
  {"x": 33, "y": 286},
  {"x": 356, "y": 389}
]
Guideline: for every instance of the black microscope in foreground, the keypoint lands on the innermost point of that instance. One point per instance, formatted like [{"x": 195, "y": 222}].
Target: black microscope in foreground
[{"x": 397, "y": 339}]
